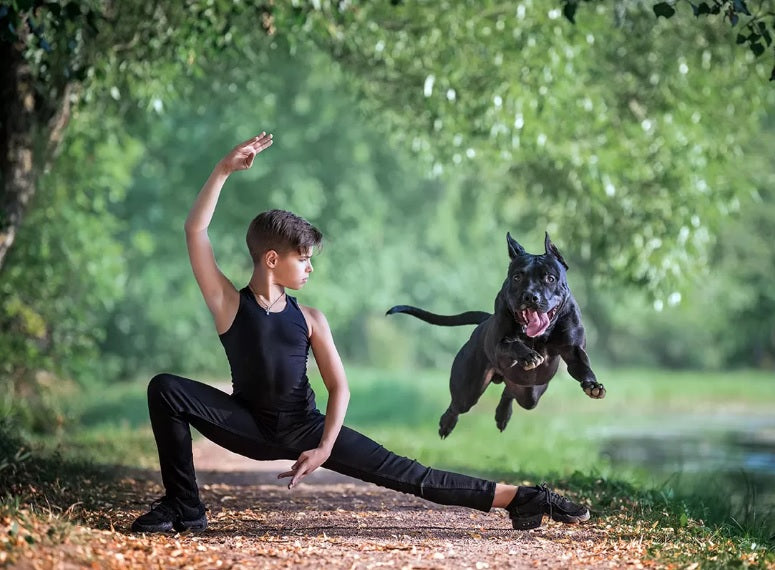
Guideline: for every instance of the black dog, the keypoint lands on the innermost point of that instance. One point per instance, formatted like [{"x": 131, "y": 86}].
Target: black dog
[{"x": 536, "y": 322}]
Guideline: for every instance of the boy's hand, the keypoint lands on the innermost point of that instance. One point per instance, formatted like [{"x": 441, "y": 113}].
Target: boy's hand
[
  {"x": 241, "y": 156},
  {"x": 307, "y": 462}
]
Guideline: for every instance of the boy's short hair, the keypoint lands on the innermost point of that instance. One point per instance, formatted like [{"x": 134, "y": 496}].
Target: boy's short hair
[{"x": 281, "y": 231}]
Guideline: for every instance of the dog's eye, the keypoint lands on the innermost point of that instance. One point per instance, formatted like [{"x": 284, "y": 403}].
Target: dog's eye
[
  {"x": 550, "y": 279},
  {"x": 517, "y": 277}
]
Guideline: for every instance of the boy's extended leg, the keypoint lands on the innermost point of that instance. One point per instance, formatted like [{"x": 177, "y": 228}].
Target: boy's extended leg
[
  {"x": 358, "y": 456},
  {"x": 176, "y": 403}
]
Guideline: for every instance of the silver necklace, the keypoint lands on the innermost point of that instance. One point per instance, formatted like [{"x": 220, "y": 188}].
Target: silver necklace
[{"x": 272, "y": 304}]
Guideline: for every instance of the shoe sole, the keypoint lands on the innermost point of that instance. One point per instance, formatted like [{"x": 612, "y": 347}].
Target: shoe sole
[
  {"x": 571, "y": 519},
  {"x": 527, "y": 523},
  {"x": 534, "y": 521},
  {"x": 152, "y": 528},
  {"x": 197, "y": 525}
]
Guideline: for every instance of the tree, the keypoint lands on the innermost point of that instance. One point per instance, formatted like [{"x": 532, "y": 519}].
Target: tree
[
  {"x": 57, "y": 57},
  {"x": 66, "y": 270},
  {"x": 616, "y": 132},
  {"x": 481, "y": 89},
  {"x": 753, "y": 29},
  {"x": 57, "y": 54}
]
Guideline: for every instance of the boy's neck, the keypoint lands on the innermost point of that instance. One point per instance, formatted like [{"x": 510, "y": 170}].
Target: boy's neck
[{"x": 262, "y": 284}]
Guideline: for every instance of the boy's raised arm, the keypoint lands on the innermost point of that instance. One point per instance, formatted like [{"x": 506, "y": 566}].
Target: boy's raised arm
[{"x": 219, "y": 293}]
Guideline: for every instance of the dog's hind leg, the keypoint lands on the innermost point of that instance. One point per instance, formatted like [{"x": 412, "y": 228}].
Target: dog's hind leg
[
  {"x": 467, "y": 382},
  {"x": 503, "y": 411},
  {"x": 448, "y": 421},
  {"x": 460, "y": 404}
]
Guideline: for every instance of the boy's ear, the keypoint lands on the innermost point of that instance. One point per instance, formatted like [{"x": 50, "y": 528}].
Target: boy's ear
[{"x": 270, "y": 258}]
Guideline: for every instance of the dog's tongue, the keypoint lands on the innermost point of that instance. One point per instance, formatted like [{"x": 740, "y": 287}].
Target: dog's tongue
[{"x": 536, "y": 322}]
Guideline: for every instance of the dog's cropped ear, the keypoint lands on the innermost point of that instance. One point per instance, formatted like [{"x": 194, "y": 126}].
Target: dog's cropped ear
[
  {"x": 515, "y": 250},
  {"x": 551, "y": 249}
]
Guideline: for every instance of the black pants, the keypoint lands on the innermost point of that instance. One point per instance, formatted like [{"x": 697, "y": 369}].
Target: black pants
[{"x": 176, "y": 403}]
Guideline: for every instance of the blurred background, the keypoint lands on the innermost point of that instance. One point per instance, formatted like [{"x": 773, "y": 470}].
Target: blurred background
[{"x": 414, "y": 137}]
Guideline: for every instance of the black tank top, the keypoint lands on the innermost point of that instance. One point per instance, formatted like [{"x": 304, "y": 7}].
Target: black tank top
[{"x": 268, "y": 356}]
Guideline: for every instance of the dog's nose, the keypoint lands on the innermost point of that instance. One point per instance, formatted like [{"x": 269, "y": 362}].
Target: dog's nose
[{"x": 530, "y": 297}]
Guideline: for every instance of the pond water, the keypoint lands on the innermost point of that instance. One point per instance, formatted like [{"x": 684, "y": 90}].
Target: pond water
[{"x": 730, "y": 447}]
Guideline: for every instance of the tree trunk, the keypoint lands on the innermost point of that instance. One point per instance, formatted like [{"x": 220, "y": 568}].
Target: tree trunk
[
  {"x": 17, "y": 179},
  {"x": 25, "y": 124}
]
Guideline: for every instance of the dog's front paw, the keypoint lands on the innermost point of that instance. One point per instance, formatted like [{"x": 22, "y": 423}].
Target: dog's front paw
[
  {"x": 529, "y": 361},
  {"x": 593, "y": 390}
]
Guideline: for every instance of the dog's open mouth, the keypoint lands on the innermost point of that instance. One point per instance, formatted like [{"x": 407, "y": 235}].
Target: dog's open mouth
[{"x": 535, "y": 323}]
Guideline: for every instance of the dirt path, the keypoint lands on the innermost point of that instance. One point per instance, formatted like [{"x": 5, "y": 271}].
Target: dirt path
[
  {"x": 333, "y": 521},
  {"x": 328, "y": 522}
]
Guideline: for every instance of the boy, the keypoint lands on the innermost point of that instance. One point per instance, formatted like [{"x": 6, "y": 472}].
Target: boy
[{"x": 271, "y": 413}]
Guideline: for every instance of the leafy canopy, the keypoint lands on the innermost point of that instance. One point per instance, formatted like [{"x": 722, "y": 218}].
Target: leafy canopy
[{"x": 627, "y": 138}]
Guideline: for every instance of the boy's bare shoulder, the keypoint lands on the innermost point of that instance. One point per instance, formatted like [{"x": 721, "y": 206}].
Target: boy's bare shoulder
[
  {"x": 315, "y": 317},
  {"x": 312, "y": 312}
]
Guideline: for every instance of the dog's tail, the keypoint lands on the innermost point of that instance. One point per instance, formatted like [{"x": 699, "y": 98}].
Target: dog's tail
[{"x": 467, "y": 318}]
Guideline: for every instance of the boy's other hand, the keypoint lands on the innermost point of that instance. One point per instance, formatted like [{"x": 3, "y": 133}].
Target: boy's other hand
[
  {"x": 307, "y": 462},
  {"x": 241, "y": 156}
]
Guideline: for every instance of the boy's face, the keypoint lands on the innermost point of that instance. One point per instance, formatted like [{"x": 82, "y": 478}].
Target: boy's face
[{"x": 293, "y": 268}]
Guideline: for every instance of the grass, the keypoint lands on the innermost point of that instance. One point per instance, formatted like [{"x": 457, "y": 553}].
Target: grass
[
  {"x": 567, "y": 430},
  {"x": 722, "y": 517},
  {"x": 725, "y": 514}
]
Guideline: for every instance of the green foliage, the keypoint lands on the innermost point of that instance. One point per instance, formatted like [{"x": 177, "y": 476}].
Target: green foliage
[
  {"x": 595, "y": 123},
  {"x": 356, "y": 190},
  {"x": 442, "y": 130},
  {"x": 66, "y": 269},
  {"x": 754, "y": 31},
  {"x": 743, "y": 283},
  {"x": 27, "y": 470},
  {"x": 725, "y": 316},
  {"x": 54, "y": 36},
  {"x": 13, "y": 451},
  {"x": 122, "y": 51}
]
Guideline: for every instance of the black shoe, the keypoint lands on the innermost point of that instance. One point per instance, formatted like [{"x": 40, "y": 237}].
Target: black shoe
[
  {"x": 168, "y": 514},
  {"x": 531, "y": 503}
]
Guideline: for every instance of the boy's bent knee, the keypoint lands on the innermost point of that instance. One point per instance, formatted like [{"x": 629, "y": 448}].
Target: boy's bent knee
[{"x": 162, "y": 384}]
